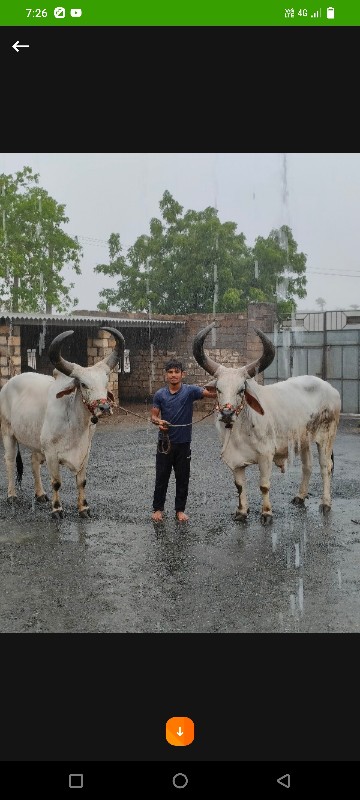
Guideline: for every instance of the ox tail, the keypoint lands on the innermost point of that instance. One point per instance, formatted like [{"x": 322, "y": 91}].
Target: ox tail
[
  {"x": 19, "y": 466},
  {"x": 332, "y": 461}
]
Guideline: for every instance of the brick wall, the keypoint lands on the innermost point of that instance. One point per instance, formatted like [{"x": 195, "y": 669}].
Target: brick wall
[
  {"x": 10, "y": 355},
  {"x": 235, "y": 344},
  {"x": 99, "y": 348}
]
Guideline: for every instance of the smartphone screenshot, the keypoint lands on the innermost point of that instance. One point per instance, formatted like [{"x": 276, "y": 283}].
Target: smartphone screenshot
[{"x": 148, "y": 653}]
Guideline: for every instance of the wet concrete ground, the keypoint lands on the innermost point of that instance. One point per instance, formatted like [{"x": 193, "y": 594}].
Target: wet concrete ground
[{"x": 118, "y": 572}]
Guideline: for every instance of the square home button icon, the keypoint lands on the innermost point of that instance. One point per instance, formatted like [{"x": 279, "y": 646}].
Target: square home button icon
[{"x": 76, "y": 781}]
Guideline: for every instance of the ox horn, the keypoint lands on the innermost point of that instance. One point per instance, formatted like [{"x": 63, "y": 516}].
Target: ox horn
[
  {"x": 55, "y": 355},
  {"x": 268, "y": 355},
  {"x": 115, "y": 356},
  {"x": 198, "y": 351}
]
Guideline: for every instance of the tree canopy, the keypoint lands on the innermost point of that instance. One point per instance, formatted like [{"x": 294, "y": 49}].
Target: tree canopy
[
  {"x": 34, "y": 248},
  {"x": 191, "y": 262}
]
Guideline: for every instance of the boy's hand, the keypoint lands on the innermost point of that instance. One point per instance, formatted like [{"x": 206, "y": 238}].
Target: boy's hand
[
  {"x": 210, "y": 391},
  {"x": 163, "y": 425}
]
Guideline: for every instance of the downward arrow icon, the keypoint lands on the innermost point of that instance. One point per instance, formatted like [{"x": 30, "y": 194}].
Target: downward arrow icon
[{"x": 180, "y": 731}]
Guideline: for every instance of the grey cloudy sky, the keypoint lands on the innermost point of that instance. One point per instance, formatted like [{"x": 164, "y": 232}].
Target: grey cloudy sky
[{"x": 108, "y": 193}]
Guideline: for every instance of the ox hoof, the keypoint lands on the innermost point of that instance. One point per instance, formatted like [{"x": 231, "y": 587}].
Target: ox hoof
[
  {"x": 41, "y": 498},
  {"x": 266, "y": 519},
  {"x": 57, "y": 513},
  {"x": 298, "y": 501},
  {"x": 324, "y": 508},
  {"x": 11, "y": 500},
  {"x": 240, "y": 517},
  {"x": 85, "y": 513}
]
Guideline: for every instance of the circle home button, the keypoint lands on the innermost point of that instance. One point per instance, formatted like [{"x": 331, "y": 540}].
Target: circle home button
[{"x": 180, "y": 780}]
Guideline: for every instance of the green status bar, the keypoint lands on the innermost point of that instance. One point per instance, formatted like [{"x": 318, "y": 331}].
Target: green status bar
[{"x": 189, "y": 13}]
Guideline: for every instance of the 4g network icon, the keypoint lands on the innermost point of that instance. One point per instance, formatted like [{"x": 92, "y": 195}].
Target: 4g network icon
[{"x": 303, "y": 12}]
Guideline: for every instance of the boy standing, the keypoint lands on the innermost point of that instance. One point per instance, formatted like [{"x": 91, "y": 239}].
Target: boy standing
[{"x": 175, "y": 404}]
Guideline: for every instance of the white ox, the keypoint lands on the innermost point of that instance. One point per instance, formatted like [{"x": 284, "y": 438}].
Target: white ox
[
  {"x": 55, "y": 418},
  {"x": 261, "y": 424}
]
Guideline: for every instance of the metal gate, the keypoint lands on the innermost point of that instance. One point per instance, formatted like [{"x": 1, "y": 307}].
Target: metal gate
[{"x": 333, "y": 355}]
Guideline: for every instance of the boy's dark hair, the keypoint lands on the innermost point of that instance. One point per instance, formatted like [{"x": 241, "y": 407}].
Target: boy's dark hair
[{"x": 174, "y": 363}]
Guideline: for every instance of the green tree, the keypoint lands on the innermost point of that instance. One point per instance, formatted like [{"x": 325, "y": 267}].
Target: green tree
[
  {"x": 282, "y": 270},
  {"x": 189, "y": 258},
  {"x": 34, "y": 248}
]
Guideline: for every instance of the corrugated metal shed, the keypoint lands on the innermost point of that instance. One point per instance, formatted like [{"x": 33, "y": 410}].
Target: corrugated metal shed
[{"x": 78, "y": 320}]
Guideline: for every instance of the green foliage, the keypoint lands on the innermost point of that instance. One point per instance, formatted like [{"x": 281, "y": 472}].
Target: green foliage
[
  {"x": 33, "y": 246},
  {"x": 285, "y": 309},
  {"x": 190, "y": 257}
]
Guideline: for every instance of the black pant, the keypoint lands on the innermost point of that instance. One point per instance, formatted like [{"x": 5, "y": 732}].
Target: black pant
[{"x": 178, "y": 458}]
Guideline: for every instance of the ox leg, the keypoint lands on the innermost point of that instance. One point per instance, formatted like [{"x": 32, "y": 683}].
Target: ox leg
[
  {"x": 324, "y": 452},
  {"x": 54, "y": 470},
  {"x": 306, "y": 460},
  {"x": 265, "y": 465},
  {"x": 83, "y": 507},
  {"x": 10, "y": 456},
  {"x": 36, "y": 460},
  {"x": 240, "y": 483}
]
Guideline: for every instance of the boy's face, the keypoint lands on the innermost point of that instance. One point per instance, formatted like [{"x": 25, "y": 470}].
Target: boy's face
[{"x": 174, "y": 375}]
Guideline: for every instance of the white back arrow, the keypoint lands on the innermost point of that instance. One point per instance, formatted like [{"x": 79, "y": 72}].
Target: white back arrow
[{"x": 17, "y": 45}]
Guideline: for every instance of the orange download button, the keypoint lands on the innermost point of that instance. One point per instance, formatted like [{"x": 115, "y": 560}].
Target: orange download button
[{"x": 180, "y": 731}]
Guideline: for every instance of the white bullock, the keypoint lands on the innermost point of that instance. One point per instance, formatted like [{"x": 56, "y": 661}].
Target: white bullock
[
  {"x": 262, "y": 424},
  {"x": 55, "y": 417}
]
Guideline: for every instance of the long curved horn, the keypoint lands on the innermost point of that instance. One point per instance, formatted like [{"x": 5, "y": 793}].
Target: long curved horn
[
  {"x": 265, "y": 359},
  {"x": 198, "y": 351},
  {"x": 55, "y": 355},
  {"x": 115, "y": 356}
]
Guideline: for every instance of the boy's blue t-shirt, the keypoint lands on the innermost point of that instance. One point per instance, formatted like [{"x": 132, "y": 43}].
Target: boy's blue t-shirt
[{"x": 178, "y": 409}]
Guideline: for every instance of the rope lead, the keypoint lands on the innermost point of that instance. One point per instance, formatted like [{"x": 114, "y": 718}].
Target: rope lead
[{"x": 164, "y": 444}]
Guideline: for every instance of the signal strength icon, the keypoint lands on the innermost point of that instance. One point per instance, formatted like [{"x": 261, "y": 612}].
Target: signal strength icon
[{"x": 316, "y": 14}]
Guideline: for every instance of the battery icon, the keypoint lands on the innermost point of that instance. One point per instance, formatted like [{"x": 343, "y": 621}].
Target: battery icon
[{"x": 330, "y": 12}]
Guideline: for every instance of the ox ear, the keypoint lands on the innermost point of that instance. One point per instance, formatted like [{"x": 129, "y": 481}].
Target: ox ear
[
  {"x": 211, "y": 384},
  {"x": 253, "y": 400},
  {"x": 68, "y": 390}
]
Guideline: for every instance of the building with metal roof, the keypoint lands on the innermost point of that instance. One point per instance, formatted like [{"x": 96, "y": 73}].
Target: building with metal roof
[{"x": 81, "y": 319}]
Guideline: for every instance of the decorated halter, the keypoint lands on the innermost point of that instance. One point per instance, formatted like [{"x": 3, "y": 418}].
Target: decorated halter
[
  {"x": 97, "y": 404},
  {"x": 229, "y": 407}
]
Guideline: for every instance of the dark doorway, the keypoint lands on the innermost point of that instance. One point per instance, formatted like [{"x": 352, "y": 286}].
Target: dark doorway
[{"x": 35, "y": 342}]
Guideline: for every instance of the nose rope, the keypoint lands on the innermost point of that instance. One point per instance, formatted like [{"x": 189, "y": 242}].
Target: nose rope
[
  {"x": 235, "y": 411},
  {"x": 96, "y": 404},
  {"x": 170, "y": 424},
  {"x": 164, "y": 444},
  {"x": 229, "y": 407}
]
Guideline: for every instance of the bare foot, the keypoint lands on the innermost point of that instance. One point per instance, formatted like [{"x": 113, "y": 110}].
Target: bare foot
[
  {"x": 157, "y": 516},
  {"x": 182, "y": 517}
]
